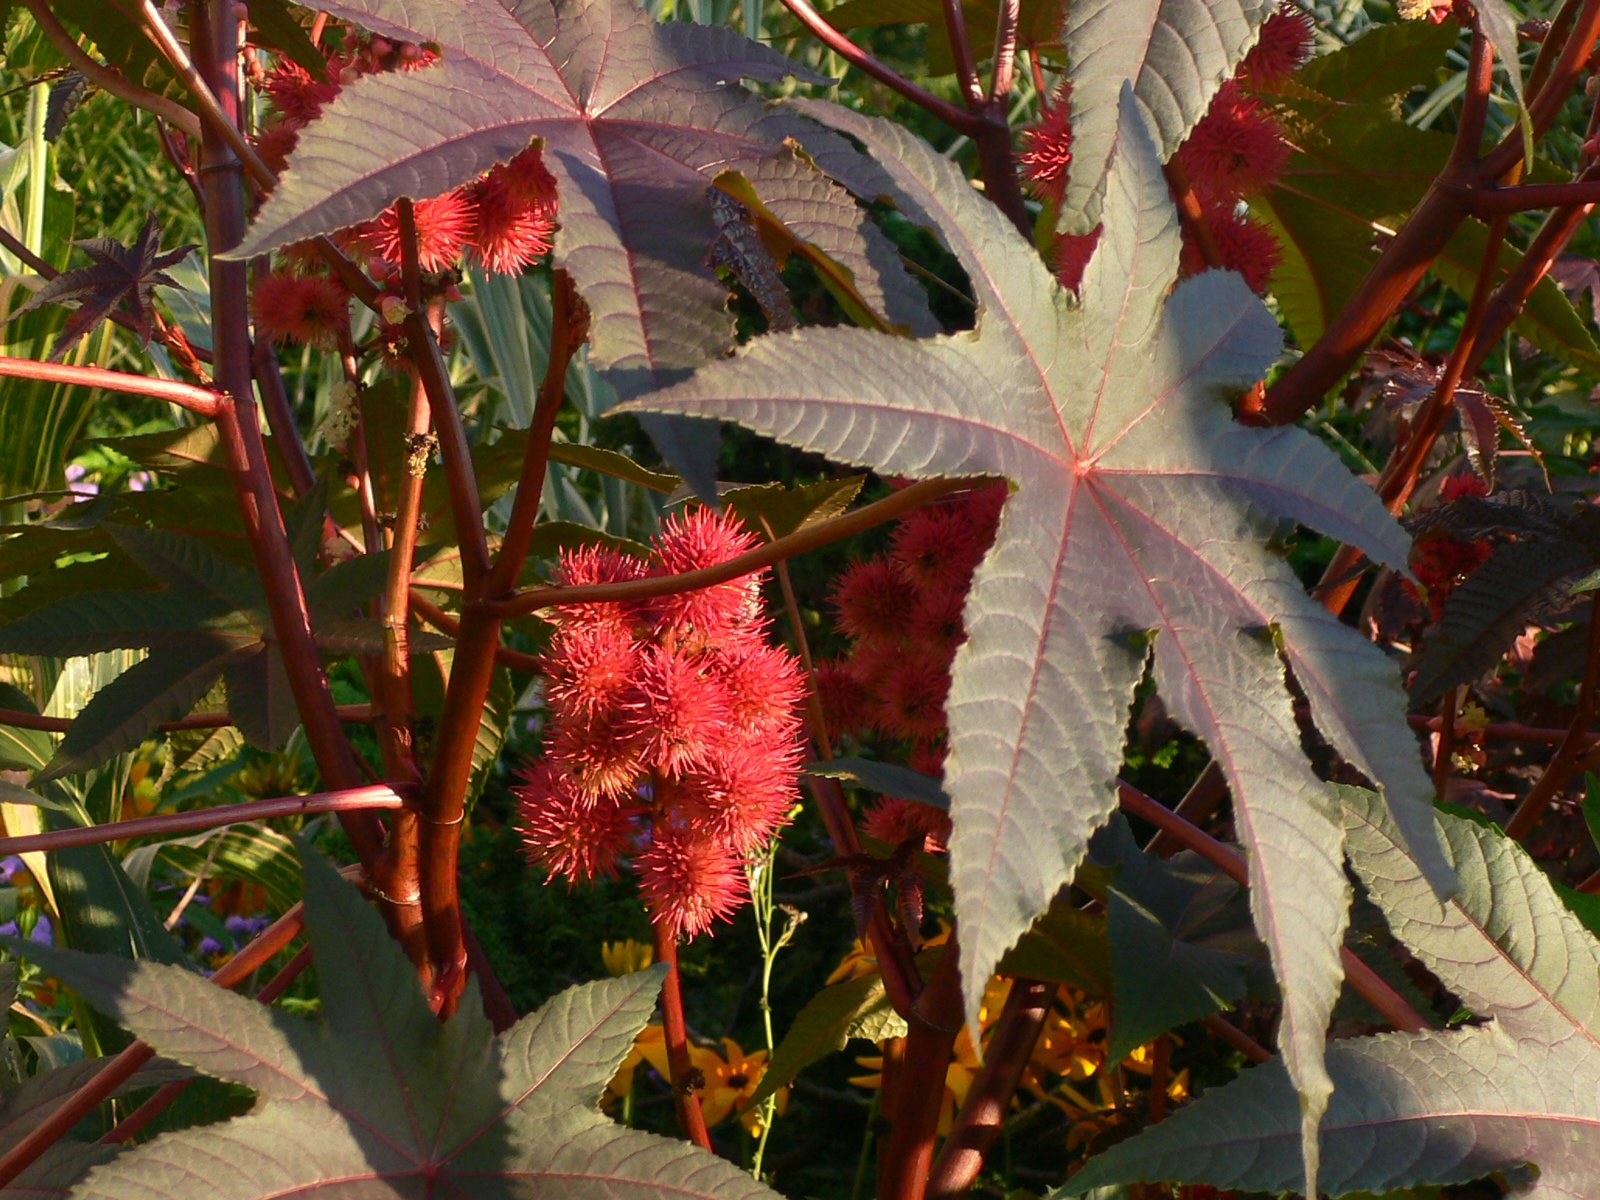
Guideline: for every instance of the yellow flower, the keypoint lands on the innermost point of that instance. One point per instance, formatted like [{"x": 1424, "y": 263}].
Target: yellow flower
[
  {"x": 858, "y": 961},
  {"x": 958, "y": 1078},
  {"x": 731, "y": 1079},
  {"x": 649, "y": 1047},
  {"x": 626, "y": 957}
]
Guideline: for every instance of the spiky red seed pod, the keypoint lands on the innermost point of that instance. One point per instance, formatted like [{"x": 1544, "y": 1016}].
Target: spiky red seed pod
[
  {"x": 678, "y": 712},
  {"x": 1244, "y": 244},
  {"x": 933, "y": 546},
  {"x": 1284, "y": 47},
  {"x": 598, "y": 754},
  {"x": 689, "y": 882},
  {"x": 445, "y": 225},
  {"x": 296, "y": 94},
  {"x": 511, "y": 234},
  {"x": 742, "y": 794},
  {"x": 764, "y": 686},
  {"x": 910, "y": 692},
  {"x": 936, "y": 618},
  {"x": 872, "y": 600},
  {"x": 590, "y": 669},
  {"x": 570, "y": 836},
  {"x": 845, "y": 702},
  {"x": 596, "y": 564},
  {"x": 1047, "y": 148},
  {"x": 703, "y": 537},
  {"x": 894, "y": 820},
  {"x": 1237, "y": 149},
  {"x": 311, "y": 310},
  {"x": 275, "y": 143}
]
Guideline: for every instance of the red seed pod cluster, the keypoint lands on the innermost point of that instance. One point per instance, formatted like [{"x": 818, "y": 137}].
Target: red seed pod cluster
[
  {"x": 674, "y": 733},
  {"x": 902, "y": 613},
  {"x": 1237, "y": 150},
  {"x": 504, "y": 220},
  {"x": 1440, "y": 560}
]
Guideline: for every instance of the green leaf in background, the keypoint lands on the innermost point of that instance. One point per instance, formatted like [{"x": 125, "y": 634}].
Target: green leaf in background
[
  {"x": 382, "y": 1098},
  {"x": 1140, "y": 505},
  {"x": 1038, "y": 24},
  {"x": 885, "y": 778},
  {"x": 823, "y": 1026},
  {"x": 775, "y": 511},
  {"x": 1176, "y": 53}
]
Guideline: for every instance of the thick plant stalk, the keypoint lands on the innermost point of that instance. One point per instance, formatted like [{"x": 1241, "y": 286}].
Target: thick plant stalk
[
  {"x": 215, "y": 44},
  {"x": 913, "y": 1117},
  {"x": 361, "y": 799},
  {"x": 684, "y": 1083},
  {"x": 1005, "y": 1057}
]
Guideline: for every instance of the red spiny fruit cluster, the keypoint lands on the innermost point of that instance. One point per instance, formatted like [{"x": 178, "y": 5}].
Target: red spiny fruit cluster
[
  {"x": 902, "y": 613},
  {"x": 674, "y": 735},
  {"x": 1236, "y": 150},
  {"x": 1440, "y": 560},
  {"x": 504, "y": 220}
]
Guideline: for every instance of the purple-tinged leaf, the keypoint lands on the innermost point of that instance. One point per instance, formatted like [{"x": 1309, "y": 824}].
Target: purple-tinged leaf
[
  {"x": 383, "y": 1099},
  {"x": 636, "y": 119},
  {"x": 1441, "y": 1106},
  {"x": 118, "y": 275},
  {"x": 1141, "y": 507},
  {"x": 1177, "y": 53}
]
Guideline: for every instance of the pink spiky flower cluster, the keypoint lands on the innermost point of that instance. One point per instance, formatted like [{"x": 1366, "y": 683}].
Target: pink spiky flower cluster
[
  {"x": 902, "y": 612},
  {"x": 674, "y": 735},
  {"x": 505, "y": 220},
  {"x": 1237, "y": 150}
]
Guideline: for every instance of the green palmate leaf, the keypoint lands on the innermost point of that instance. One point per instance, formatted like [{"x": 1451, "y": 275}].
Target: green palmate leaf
[
  {"x": 250, "y": 853},
  {"x": 610, "y": 462},
  {"x": 1176, "y": 53},
  {"x": 1182, "y": 947},
  {"x": 776, "y": 511},
  {"x": 1038, "y": 24},
  {"x": 1140, "y": 506},
  {"x": 823, "y": 1026},
  {"x": 128, "y": 709},
  {"x": 888, "y": 779},
  {"x": 1438, "y": 1106},
  {"x": 1383, "y": 64},
  {"x": 382, "y": 1099},
  {"x": 260, "y": 700},
  {"x": 635, "y": 117}
]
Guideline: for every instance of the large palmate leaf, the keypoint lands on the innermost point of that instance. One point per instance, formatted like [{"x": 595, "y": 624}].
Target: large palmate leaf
[
  {"x": 636, "y": 119},
  {"x": 1442, "y": 1106},
  {"x": 1141, "y": 507},
  {"x": 381, "y": 1098},
  {"x": 1177, "y": 54}
]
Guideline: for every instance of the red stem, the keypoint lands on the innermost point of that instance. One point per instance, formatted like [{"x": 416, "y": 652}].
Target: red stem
[
  {"x": 566, "y": 333},
  {"x": 825, "y": 33},
  {"x": 1238, "y": 1039},
  {"x": 955, "y": 26},
  {"x": 1564, "y": 763},
  {"x": 676, "y": 1034},
  {"x": 1005, "y": 1057},
  {"x": 119, "y": 1069},
  {"x": 821, "y": 533},
  {"x": 215, "y": 42},
  {"x": 447, "y": 624},
  {"x": 934, "y": 1022},
  {"x": 1362, "y": 978},
  {"x": 202, "y": 401},
  {"x": 1509, "y": 730},
  {"x": 361, "y": 799},
  {"x": 1002, "y": 77},
  {"x": 17, "y": 719}
]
